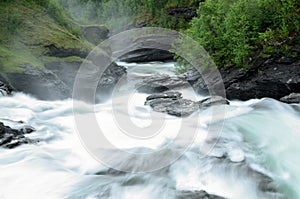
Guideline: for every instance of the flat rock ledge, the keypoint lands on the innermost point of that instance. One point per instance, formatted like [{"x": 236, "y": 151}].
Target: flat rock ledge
[{"x": 172, "y": 103}]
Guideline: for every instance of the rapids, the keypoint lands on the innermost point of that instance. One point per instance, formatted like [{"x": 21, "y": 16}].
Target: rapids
[{"x": 256, "y": 154}]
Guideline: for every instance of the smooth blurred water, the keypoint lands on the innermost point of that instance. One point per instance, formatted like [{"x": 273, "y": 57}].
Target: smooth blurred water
[{"x": 259, "y": 142}]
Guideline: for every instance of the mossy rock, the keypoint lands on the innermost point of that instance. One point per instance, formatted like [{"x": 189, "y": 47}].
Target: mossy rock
[
  {"x": 28, "y": 33},
  {"x": 95, "y": 33}
]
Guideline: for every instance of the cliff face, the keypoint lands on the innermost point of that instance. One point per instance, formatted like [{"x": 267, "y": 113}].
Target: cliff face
[
  {"x": 38, "y": 42},
  {"x": 275, "y": 77}
]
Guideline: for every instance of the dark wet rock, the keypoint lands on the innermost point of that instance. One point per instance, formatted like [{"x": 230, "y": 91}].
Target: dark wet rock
[
  {"x": 67, "y": 71},
  {"x": 11, "y": 138},
  {"x": 147, "y": 55},
  {"x": 111, "y": 75},
  {"x": 212, "y": 101},
  {"x": 169, "y": 95},
  {"x": 5, "y": 89},
  {"x": 196, "y": 195},
  {"x": 291, "y": 98},
  {"x": 275, "y": 78},
  {"x": 57, "y": 80},
  {"x": 112, "y": 172},
  {"x": 41, "y": 83},
  {"x": 160, "y": 83},
  {"x": 144, "y": 46}
]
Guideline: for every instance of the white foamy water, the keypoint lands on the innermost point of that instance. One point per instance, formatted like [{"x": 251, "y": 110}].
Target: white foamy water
[{"x": 256, "y": 150}]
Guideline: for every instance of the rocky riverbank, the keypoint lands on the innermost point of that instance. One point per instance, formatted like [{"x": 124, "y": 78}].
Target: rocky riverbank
[{"x": 275, "y": 78}]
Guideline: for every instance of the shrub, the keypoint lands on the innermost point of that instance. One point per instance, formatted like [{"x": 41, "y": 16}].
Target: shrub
[{"x": 234, "y": 30}]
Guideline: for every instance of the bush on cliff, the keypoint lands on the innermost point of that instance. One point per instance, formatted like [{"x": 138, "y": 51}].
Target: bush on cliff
[{"x": 235, "y": 32}]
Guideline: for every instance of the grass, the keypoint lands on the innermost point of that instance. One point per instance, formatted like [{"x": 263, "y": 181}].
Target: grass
[
  {"x": 10, "y": 59},
  {"x": 25, "y": 32}
]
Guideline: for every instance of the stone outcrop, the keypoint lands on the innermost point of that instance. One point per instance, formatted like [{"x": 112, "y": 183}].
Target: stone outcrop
[
  {"x": 274, "y": 78},
  {"x": 172, "y": 103}
]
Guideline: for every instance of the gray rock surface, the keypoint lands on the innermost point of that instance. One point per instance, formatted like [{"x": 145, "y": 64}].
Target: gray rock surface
[
  {"x": 160, "y": 83},
  {"x": 291, "y": 98},
  {"x": 172, "y": 103},
  {"x": 275, "y": 78}
]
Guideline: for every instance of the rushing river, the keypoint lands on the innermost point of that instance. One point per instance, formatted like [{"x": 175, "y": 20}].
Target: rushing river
[{"x": 256, "y": 155}]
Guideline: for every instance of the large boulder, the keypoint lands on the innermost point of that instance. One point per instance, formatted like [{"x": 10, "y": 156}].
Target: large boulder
[
  {"x": 179, "y": 107},
  {"x": 172, "y": 103}
]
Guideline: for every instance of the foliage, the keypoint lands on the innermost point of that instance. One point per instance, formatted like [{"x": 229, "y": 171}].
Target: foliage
[
  {"x": 10, "y": 21},
  {"x": 116, "y": 13},
  {"x": 28, "y": 27},
  {"x": 234, "y": 30}
]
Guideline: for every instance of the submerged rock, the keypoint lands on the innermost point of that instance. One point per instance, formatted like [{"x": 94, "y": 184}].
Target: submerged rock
[
  {"x": 196, "y": 195},
  {"x": 160, "y": 83},
  {"x": 291, "y": 98},
  {"x": 212, "y": 101},
  {"x": 11, "y": 138}
]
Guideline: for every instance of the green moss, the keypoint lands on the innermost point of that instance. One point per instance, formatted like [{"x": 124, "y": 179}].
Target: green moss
[
  {"x": 62, "y": 59},
  {"x": 28, "y": 29},
  {"x": 11, "y": 59}
]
